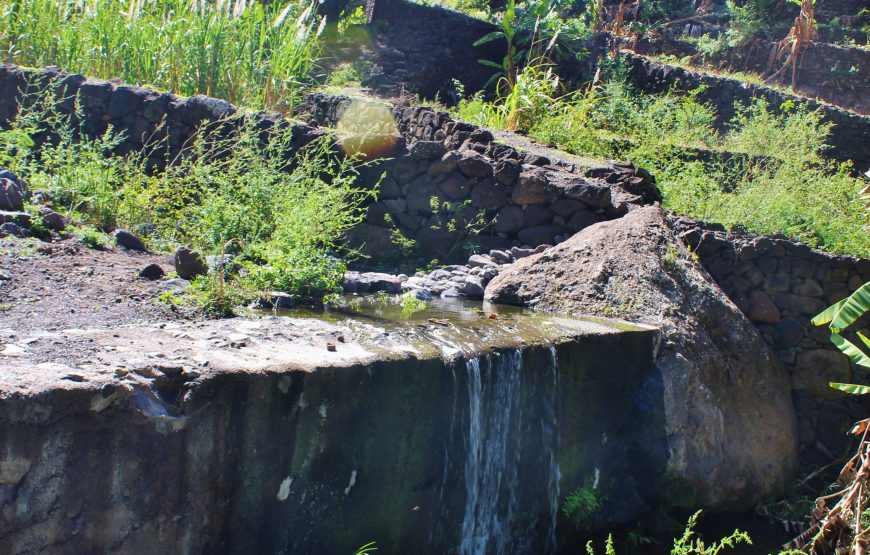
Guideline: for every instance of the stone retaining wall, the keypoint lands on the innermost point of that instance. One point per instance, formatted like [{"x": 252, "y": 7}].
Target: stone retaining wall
[
  {"x": 780, "y": 285},
  {"x": 836, "y": 74},
  {"x": 850, "y": 137},
  {"x": 444, "y": 174},
  {"x": 445, "y": 185},
  {"x": 142, "y": 115},
  {"x": 522, "y": 198}
]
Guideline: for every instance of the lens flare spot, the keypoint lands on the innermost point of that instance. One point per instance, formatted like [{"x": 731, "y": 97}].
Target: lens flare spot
[{"x": 367, "y": 129}]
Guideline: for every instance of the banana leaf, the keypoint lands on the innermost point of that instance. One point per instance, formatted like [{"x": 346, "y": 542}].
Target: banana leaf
[
  {"x": 849, "y": 349},
  {"x": 851, "y": 388},
  {"x": 855, "y": 306},
  {"x": 828, "y": 314}
]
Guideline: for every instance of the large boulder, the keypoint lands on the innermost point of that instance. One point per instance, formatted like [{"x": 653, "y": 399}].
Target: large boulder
[{"x": 726, "y": 415}]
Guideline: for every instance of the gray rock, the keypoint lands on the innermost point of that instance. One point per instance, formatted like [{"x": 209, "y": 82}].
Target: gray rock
[
  {"x": 582, "y": 219},
  {"x": 509, "y": 219},
  {"x": 471, "y": 287},
  {"x": 11, "y": 196},
  {"x": 790, "y": 333},
  {"x": 370, "y": 282},
  {"x": 501, "y": 257},
  {"x": 489, "y": 274},
  {"x": 536, "y": 215},
  {"x": 456, "y": 186},
  {"x": 152, "y": 271},
  {"x": 507, "y": 171},
  {"x": 593, "y": 194},
  {"x": 14, "y": 230},
  {"x": 174, "y": 285},
  {"x": 457, "y": 269},
  {"x": 473, "y": 164},
  {"x": 22, "y": 219},
  {"x": 532, "y": 188},
  {"x": 440, "y": 274},
  {"x": 489, "y": 195},
  {"x": 717, "y": 380},
  {"x": 762, "y": 309},
  {"x": 447, "y": 164},
  {"x": 13, "y": 177},
  {"x": 540, "y": 235},
  {"x": 425, "y": 150},
  {"x": 52, "y": 219},
  {"x": 420, "y": 294},
  {"x": 481, "y": 260},
  {"x": 189, "y": 263},
  {"x": 450, "y": 293},
  {"x": 520, "y": 252},
  {"x": 127, "y": 240},
  {"x": 815, "y": 369}
]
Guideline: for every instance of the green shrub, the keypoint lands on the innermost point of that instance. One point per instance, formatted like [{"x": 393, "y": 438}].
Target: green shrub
[
  {"x": 282, "y": 217},
  {"x": 768, "y": 173},
  {"x": 94, "y": 239}
]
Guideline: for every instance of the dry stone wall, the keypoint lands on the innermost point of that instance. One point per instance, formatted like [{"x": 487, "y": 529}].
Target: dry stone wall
[
  {"x": 836, "y": 74},
  {"x": 145, "y": 117},
  {"x": 850, "y": 137},
  {"x": 780, "y": 285},
  {"x": 444, "y": 186},
  {"x": 444, "y": 177}
]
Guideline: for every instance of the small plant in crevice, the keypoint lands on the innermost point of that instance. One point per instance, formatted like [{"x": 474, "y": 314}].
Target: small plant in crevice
[
  {"x": 459, "y": 219},
  {"x": 582, "y": 505},
  {"x": 412, "y": 305}
]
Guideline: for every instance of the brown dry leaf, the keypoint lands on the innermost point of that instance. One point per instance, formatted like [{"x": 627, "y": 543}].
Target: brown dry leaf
[
  {"x": 847, "y": 475},
  {"x": 859, "y": 427}
]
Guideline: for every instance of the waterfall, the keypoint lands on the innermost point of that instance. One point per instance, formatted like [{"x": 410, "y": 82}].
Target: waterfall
[
  {"x": 551, "y": 444},
  {"x": 511, "y": 456}
]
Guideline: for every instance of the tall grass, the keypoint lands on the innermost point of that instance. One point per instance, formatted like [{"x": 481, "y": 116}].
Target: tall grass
[{"x": 257, "y": 54}]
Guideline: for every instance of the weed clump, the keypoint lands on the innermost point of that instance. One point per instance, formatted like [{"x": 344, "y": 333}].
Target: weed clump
[
  {"x": 273, "y": 214},
  {"x": 766, "y": 172}
]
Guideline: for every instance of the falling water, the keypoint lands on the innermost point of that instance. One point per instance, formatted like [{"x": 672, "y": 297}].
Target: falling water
[
  {"x": 508, "y": 451},
  {"x": 552, "y": 442}
]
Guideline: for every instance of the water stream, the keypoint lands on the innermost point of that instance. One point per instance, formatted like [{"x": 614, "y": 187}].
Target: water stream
[{"x": 511, "y": 441}]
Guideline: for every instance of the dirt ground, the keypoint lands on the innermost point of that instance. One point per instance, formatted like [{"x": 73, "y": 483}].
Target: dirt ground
[{"x": 64, "y": 284}]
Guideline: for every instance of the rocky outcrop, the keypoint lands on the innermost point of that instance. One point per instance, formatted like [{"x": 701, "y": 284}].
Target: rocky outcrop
[
  {"x": 728, "y": 419},
  {"x": 780, "y": 285}
]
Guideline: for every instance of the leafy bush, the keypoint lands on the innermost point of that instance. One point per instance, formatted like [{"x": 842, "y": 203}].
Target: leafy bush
[
  {"x": 282, "y": 217},
  {"x": 839, "y": 318},
  {"x": 768, "y": 173},
  {"x": 94, "y": 239}
]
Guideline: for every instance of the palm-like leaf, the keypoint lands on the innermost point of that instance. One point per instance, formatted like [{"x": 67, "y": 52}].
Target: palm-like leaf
[
  {"x": 855, "y": 306},
  {"x": 849, "y": 349},
  {"x": 851, "y": 388}
]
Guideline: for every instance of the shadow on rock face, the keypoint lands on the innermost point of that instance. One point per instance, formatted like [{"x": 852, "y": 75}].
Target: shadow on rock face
[{"x": 727, "y": 415}]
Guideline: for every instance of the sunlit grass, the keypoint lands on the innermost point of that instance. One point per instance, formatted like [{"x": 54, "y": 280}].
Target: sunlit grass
[{"x": 250, "y": 53}]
